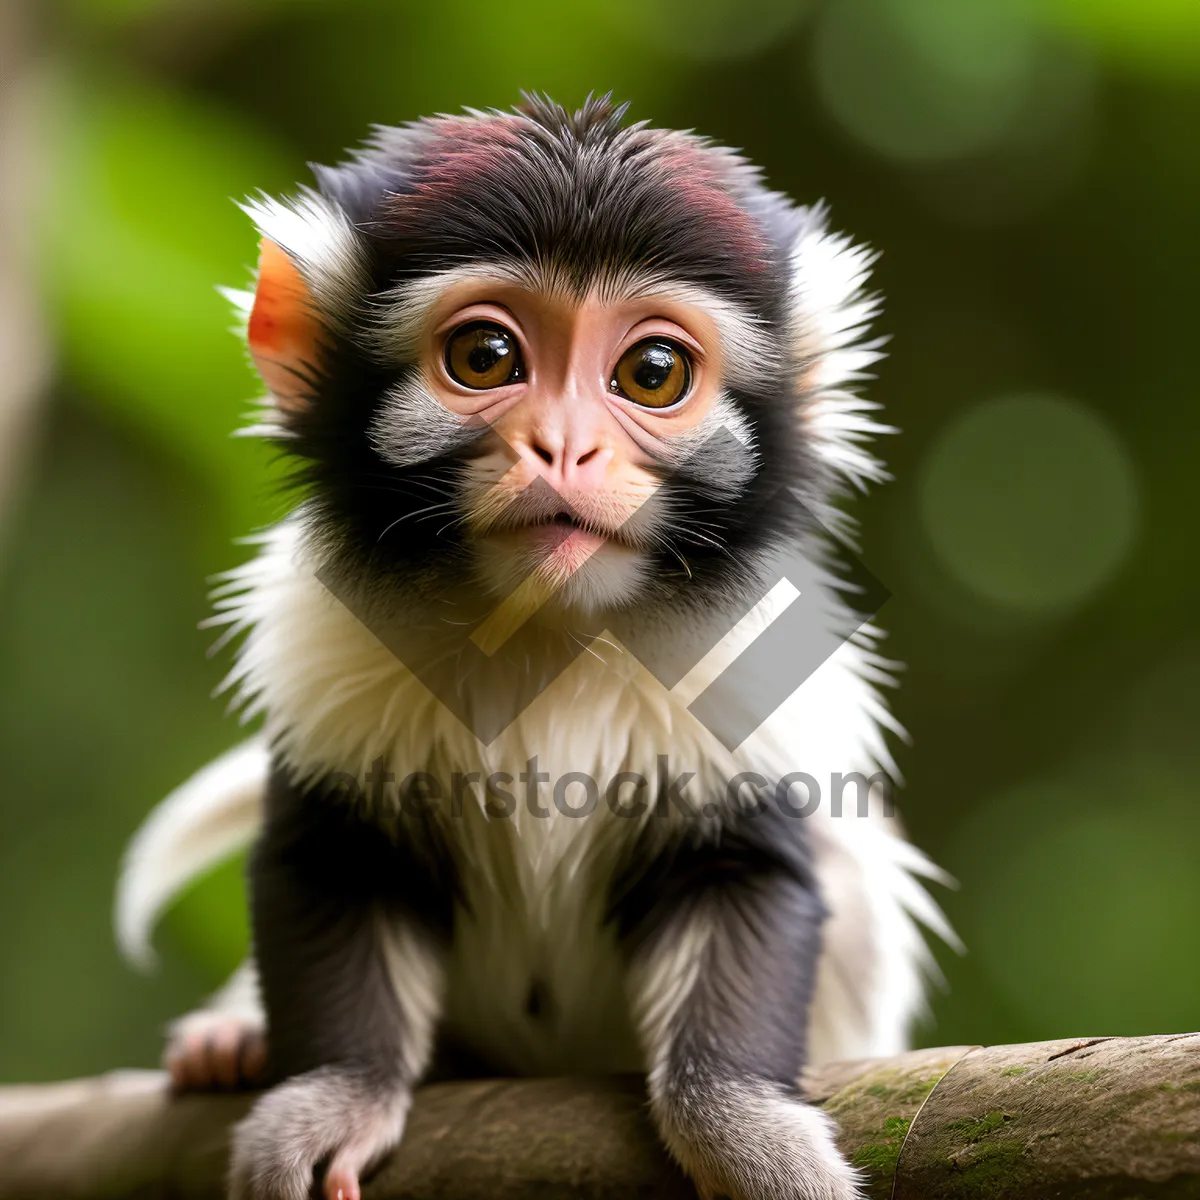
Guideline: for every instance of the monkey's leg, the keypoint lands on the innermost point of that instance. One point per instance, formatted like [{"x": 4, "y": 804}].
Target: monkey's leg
[
  {"x": 222, "y": 1045},
  {"x": 351, "y": 981},
  {"x": 724, "y": 941}
]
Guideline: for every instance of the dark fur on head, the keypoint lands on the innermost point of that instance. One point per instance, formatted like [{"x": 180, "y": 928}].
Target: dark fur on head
[{"x": 584, "y": 200}]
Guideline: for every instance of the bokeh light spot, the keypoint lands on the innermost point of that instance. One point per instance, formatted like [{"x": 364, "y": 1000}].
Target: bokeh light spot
[
  {"x": 924, "y": 80},
  {"x": 1077, "y": 898},
  {"x": 1030, "y": 501},
  {"x": 1038, "y": 157}
]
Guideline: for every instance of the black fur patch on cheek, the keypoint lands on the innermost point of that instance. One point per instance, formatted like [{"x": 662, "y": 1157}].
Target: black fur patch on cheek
[
  {"x": 365, "y": 512},
  {"x": 722, "y": 538}
]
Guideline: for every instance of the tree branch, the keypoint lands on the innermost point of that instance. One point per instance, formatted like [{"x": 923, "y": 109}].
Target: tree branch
[{"x": 1097, "y": 1117}]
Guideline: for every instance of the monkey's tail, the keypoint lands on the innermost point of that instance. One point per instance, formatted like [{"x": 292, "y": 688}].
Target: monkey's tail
[{"x": 213, "y": 815}]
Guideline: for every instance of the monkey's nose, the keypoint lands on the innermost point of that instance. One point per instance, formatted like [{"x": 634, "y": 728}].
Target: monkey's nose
[{"x": 563, "y": 460}]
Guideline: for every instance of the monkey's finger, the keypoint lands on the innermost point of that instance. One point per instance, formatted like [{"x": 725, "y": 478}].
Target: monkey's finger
[
  {"x": 341, "y": 1183},
  {"x": 185, "y": 1062},
  {"x": 176, "y": 1068},
  {"x": 223, "y": 1051},
  {"x": 252, "y": 1057},
  {"x": 352, "y": 1159}
]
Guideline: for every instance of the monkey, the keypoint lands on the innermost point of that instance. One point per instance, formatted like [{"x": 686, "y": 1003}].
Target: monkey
[{"x": 561, "y": 393}]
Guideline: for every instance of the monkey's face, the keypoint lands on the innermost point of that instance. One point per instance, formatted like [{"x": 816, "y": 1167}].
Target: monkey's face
[
  {"x": 581, "y": 404},
  {"x": 542, "y": 352},
  {"x": 575, "y": 395}
]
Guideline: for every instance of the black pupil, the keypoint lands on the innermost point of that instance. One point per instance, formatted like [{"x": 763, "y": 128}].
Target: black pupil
[
  {"x": 654, "y": 368},
  {"x": 491, "y": 348}
]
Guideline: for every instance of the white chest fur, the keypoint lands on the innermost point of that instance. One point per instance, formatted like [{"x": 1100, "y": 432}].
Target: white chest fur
[{"x": 535, "y": 972}]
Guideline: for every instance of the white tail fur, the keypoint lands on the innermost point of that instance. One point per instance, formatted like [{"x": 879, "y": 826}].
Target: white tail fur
[{"x": 214, "y": 814}]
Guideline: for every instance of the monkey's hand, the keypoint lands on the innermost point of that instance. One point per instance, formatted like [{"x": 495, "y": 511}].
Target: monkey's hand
[
  {"x": 747, "y": 1140},
  {"x": 349, "y": 1117},
  {"x": 211, "y": 1050}
]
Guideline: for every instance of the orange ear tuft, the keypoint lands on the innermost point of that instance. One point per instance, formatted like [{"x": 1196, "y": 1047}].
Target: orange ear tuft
[{"x": 284, "y": 332}]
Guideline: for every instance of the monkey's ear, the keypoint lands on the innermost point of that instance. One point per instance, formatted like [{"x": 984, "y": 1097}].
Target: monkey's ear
[
  {"x": 311, "y": 286},
  {"x": 284, "y": 330}
]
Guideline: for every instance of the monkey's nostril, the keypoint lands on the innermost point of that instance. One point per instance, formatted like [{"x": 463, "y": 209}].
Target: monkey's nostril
[
  {"x": 586, "y": 458},
  {"x": 543, "y": 454}
]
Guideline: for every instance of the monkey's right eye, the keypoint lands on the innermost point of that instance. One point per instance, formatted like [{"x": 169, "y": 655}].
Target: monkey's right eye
[{"x": 482, "y": 355}]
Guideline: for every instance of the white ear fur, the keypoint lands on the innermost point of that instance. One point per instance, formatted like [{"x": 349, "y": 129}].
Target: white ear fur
[
  {"x": 831, "y": 315},
  {"x": 312, "y": 275},
  {"x": 326, "y": 248}
]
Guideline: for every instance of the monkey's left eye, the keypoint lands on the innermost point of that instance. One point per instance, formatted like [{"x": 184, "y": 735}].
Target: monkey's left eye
[
  {"x": 655, "y": 373},
  {"x": 482, "y": 355}
]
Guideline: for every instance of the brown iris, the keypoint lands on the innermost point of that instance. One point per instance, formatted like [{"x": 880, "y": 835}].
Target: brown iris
[
  {"x": 483, "y": 355},
  {"x": 655, "y": 373}
]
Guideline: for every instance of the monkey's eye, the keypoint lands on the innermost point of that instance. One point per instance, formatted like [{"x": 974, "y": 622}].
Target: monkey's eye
[
  {"x": 655, "y": 373},
  {"x": 483, "y": 355}
]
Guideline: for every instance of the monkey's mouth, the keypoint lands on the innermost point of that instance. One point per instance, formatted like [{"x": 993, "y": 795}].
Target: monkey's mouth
[
  {"x": 562, "y": 520},
  {"x": 538, "y": 554},
  {"x": 554, "y": 527},
  {"x": 559, "y": 541},
  {"x": 565, "y": 528},
  {"x": 558, "y": 529}
]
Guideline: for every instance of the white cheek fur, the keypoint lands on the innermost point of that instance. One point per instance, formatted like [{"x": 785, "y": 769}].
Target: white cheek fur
[
  {"x": 411, "y": 426},
  {"x": 831, "y": 314},
  {"x": 318, "y": 236}
]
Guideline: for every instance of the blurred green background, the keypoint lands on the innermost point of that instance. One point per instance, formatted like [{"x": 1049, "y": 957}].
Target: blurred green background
[{"x": 1029, "y": 169}]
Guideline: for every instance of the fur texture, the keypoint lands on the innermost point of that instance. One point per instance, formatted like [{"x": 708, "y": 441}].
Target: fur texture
[
  {"x": 211, "y": 816},
  {"x": 553, "y": 912}
]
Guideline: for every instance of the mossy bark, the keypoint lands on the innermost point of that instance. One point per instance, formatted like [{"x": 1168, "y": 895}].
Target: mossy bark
[
  {"x": 1103, "y": 1118},
  {"x": 1096, "y": 1118}
]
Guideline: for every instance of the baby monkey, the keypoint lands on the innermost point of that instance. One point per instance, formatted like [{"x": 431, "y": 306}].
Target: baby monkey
[{"x": 571, "y": 403}]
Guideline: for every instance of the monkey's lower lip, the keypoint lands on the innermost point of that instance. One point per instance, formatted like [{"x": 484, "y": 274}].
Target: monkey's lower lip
[
  {"x": 558, "y": 534},
  {"x": 554, "y": 531},
  {"x": 563, "y": 545},
  {"x": 560, "y": 538}
]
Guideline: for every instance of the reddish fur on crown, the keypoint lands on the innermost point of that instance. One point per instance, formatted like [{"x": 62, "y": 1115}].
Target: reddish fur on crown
[{"x": 702, "y": 176}]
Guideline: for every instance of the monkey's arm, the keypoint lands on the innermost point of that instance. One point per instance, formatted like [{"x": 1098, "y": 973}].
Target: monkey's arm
[
  {"x": 350, "y": 969},
  {"x": 724, "y": 939}
]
